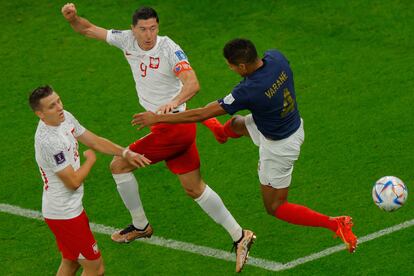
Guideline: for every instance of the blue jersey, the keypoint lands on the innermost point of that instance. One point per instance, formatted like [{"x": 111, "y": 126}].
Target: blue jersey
[{"x": 269, "y": 94}]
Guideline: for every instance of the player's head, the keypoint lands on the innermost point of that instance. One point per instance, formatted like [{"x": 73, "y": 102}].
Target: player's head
[
  {"x": 47, "y": 105},
  {"x": 145, "y": 27},
  {"x": 240, "y": 54}
]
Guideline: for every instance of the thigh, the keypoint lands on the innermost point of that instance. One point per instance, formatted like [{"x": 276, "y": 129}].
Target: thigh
[
  {"x": 277, "y": 159},
  {"x": 92, "y": 267},
  {"x": 184, "y": 162},
  {"x": 192, "y": 183},
  {"x": 165, "y": 141},
  {"x": 252, "y": 129},
  {"x": 74, "y": 238}
]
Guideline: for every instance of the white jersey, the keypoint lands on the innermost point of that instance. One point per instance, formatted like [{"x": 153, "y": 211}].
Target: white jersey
[
  {"x": 155, "y": 71},
  {"x": 55, "y": 149}
]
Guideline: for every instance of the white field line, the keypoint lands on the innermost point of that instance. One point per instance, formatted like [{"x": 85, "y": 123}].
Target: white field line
[{"x": 215, "y": 253}]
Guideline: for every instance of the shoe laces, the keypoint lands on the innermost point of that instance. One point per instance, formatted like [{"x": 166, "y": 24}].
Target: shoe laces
[{"x": 128, "y": 229}]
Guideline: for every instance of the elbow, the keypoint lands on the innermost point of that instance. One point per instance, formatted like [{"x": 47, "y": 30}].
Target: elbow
[
  {"x": 74, "y": 184},
  {"x": 196, "y": 87}
]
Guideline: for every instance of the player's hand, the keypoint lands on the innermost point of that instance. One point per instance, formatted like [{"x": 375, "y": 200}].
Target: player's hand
[
  {"x": 136, "y": 159},
  {"x": 144, "y": 119},
  {"x": 168, "y": 107},
  {"x": 69, "y": 11},
  {"x": 89, "y": 155}
]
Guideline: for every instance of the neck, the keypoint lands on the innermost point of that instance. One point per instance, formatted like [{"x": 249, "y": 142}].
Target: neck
[{"x": 252, "y": 67}]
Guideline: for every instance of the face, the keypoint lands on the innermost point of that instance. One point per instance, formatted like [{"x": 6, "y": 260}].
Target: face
[
  {"x": 145, "y": 33},
  {"x": 239, "y": 69},
  {"x": 51, "y": 110}
]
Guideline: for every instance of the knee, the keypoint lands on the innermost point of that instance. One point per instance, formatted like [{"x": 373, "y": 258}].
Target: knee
[
  {"x": 195, "y": 191},
  {"x": 119, "y": 165},
  {"x": 101, "y": 270},
  {"x": 238, "y": 125},
  {"x": 272, "y": 207}
]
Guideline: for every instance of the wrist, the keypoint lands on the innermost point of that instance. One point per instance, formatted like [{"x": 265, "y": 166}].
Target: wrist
[{"x": 124, "y": 152}]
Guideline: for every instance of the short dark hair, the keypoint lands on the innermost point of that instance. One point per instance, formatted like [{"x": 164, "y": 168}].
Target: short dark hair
[
  {"x": 144, "y": 13},
  {"x": 239, "y": 51},
  {"x": 38, "y": 94}
]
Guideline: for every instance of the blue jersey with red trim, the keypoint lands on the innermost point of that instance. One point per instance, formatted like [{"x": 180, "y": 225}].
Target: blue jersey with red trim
[{"x": 269, "y": 94}]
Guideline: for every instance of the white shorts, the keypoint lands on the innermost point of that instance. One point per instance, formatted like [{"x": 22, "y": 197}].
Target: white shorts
[{"x": 276, "y": 157}]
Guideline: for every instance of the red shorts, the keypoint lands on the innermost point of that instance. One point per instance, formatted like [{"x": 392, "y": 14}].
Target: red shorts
[
  {"x": 174, "y": 143},
  {"x": 74, "y": 238}
]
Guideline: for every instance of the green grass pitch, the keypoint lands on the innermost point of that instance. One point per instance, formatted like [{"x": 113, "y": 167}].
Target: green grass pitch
[{"x": 353, "y": 66}]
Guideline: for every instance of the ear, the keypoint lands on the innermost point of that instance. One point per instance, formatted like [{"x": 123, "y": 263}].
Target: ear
[
  {"x": 242, "y": 67},
  {"x": 39, "y": 114}
]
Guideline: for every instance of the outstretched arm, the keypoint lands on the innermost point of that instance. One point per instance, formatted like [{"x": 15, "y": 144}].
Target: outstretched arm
[
  {"x": 105, "y": 146},
  {"x": 194, "y": 115},
  {"x": 82, "y": 25}
]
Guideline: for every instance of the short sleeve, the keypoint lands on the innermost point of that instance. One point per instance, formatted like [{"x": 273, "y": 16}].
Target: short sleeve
[
  {"x": 54, "y": 154},
  {"x": 177, "y": 59},
  {"x": 78, "y": 128},
  {"x": 118, "y": 38},
  {"x": 235, "y": 101}
]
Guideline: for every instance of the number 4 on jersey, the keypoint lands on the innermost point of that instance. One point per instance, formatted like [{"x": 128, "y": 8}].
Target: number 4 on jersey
[{"x": 288, "y": 103}]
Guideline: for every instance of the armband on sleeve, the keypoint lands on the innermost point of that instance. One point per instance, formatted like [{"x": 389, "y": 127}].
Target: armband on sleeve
[{"x": 181, "y": 67}]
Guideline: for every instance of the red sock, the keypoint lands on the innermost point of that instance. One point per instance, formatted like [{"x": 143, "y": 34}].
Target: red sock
[
  {"x": 216, "y": 128},
  {"x": 301, "y": 215},
  {"x": 228, "y": 131}
]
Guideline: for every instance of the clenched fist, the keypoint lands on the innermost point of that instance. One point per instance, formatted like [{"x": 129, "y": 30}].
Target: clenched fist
[{"x": 69, "y": 11}]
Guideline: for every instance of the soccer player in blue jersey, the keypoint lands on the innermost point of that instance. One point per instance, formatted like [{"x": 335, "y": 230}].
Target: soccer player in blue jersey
[{"x": 275, "y": 126}]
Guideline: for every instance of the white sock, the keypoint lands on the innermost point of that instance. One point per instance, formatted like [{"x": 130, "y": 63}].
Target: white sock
[
  {"x": 127, "y": 187},
  {"x": 212, "y": 204}
]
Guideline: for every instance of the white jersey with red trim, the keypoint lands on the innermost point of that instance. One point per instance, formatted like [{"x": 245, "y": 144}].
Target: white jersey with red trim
[
  {"x": 155, "y": 71},
  {"x": 55, "y": 149}
]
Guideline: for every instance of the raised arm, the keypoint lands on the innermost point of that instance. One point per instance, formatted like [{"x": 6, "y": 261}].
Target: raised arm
[{"x": 82, "y": 25}]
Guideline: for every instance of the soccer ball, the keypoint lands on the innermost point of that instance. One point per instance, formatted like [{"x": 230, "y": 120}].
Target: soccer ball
[{"x": 389, "y": 193}]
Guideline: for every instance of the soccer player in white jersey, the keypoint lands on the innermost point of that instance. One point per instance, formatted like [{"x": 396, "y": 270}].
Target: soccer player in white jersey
[
  {"x": 164, "y": 82},
  {"x": 56, "y": 150}
]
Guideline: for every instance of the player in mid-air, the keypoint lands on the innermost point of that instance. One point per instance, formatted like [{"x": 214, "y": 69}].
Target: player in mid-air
[
  {"x": 274, "y": 125},
  {"x": 56, "y": 150},
  {"x": 164, "y": 82}
]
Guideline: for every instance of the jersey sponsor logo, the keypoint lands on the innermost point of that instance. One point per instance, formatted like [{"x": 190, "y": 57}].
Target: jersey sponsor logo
[
  {"x": 154, "y": 62},
  {"x": 229, "y": 99},
  {"x": 180, "y": 54},
  {"x": 59, "y": 158},
  {"x": 181, "y": 66},
  {"x": 116, "y": 32}
]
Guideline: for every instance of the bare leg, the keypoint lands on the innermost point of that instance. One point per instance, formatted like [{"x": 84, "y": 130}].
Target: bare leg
[
  {"x": 92, "y": 268},
  {"x": 67, "y": 268},
  {"x": 273, "y": 198}
]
